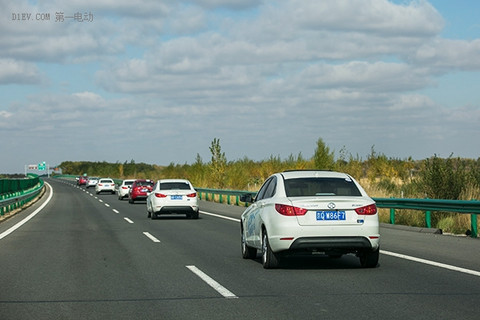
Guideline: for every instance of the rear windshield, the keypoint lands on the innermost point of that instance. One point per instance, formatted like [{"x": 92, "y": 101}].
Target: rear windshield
[
  {"x": 304, "y": 187},
  {"x": 128, "y": 183},
  {"x": 174, "y": 186},
  {"x": 144, "y": 183}
]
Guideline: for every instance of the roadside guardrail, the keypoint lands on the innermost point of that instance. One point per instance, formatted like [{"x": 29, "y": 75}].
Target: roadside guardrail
[{"x": 16, "y": 197}]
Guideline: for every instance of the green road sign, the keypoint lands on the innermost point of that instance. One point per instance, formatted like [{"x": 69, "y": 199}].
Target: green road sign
[{"x": 42, "y": 166}]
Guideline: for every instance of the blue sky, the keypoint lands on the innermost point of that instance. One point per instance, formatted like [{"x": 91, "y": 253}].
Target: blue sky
[{"x": 156, "y": 82}]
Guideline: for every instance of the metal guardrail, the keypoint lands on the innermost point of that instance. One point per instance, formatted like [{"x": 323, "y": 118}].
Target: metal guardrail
[
  {"x": 14, "y": 200},
  {"x": 210, "y": 194},
  {"x": 471, "y": 207}
]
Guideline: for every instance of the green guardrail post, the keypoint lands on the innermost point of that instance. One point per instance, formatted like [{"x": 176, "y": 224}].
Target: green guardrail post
[
  {"x": 428, "y": 219},
  {"x": 473, "y": 219},
  {"x": 237, "y": 198},
  {"x": 220, "y": 198},
  {"x": 392, "y": 216},
  {"x": 228, "y": 199}
]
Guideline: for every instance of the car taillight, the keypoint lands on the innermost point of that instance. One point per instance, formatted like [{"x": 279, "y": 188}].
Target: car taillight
[
  {"x": 287, "y": 210},
  {"x": 192, "y": 195},
  {"x": 160, "y": 195},
  {"x": 100, "y": 184},
  {"x": 367, "y": 210},
  {"x": 124, "y": 188}
]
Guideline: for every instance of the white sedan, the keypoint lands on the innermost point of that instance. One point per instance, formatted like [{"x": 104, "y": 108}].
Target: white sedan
[
  {"x": 105, "y": 185},
  {"x": 124, "y": 188},
  {"x": 172, "y": 196},
  {"x": 320, "y": 212},
  {"x": 91, "y": 182}
]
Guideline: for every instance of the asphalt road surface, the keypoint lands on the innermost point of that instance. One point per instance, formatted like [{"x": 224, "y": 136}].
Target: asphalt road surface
[{"x": 88, "y": 256}]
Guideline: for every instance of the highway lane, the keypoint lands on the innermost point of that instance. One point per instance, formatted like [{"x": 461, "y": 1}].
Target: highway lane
[{"x": 87, "y": 256}]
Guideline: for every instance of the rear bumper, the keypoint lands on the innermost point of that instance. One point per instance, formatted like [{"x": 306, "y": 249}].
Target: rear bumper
[
  {"x": 177, "y": 209},
  {"x": 327, "y": 244}
]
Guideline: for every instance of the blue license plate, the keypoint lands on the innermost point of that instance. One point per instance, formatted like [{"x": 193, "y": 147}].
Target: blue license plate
[
  {"x": 176, "y": 197},
  {"x": 331, "y": 215}
]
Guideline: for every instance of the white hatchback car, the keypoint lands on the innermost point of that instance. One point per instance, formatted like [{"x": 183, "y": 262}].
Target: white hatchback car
[
  {"x": 172, "y": 196},
  {"x": 310, "y": 211},
  {"x": 124, "y": 188},
  {"x": 105, "y": 185}
]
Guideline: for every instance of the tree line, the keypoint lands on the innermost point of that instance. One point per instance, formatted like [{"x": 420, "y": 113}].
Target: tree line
[{"x": 435, "y": 177}]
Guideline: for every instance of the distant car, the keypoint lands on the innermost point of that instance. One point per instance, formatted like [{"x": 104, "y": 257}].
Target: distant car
[
  {"x": 172, "y": 196},
  {"x": 310, "y": 212},
  {"x": 139, "y": 190},
  {"x": 124, "y": 188},
  {"x": 82, "y": 181},
  {"x": 105, "y": 185},
  {"x": 91, "y": 182}
]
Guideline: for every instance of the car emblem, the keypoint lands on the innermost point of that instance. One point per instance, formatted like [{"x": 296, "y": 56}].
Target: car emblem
[{"x": 331, "y": 205}]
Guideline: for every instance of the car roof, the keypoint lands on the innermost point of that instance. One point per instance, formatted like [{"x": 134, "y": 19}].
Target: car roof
[{"x": 291, "y": 174}]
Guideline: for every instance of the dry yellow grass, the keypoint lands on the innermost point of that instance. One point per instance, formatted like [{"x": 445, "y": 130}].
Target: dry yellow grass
[{"x": 454, "y": 223}]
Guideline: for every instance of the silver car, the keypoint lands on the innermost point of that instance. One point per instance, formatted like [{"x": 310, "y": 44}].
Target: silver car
[{"x": 310, "y": 212}]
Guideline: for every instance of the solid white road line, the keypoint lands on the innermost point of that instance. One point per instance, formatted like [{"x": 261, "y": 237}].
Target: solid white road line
[
  {"x": 219, "y": 216},
  {"x": 116, "y": 211},
  {"x": 432, "y": 263},
  {"x": 128, "y": 220},
  {"x": 212, "y": 283},
  {"x": 33, "y": 214},
  {"x": 151, "y": 237}
]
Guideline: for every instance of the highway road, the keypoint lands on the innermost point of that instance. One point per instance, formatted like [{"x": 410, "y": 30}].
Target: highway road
[{"x": 88, "y": 256}]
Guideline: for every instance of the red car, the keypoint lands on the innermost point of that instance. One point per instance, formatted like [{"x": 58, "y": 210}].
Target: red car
[
  {"x": 82, "y": 181},
  {"x": 139, "y": 189}
]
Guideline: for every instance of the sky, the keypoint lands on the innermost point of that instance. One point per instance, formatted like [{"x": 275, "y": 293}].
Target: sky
[{"x": 157, "y": 81}]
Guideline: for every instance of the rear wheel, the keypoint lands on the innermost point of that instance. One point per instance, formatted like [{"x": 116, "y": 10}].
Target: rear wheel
[
  {"x": 247, "y": 252},
  {"x": 148, "y": 212},
  {"x": 270, "y": 260},
  {"x": 369, "y": 259}
]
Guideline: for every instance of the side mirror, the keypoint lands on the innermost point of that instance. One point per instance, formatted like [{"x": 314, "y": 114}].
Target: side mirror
[{"x": 246, "y": 198}]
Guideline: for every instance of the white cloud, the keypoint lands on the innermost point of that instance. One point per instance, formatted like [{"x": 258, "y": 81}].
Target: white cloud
[
  {"x": 19, "y": 72},
  {"x": 265, "y": 77},
  {"x": 445, "y": 55}
]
